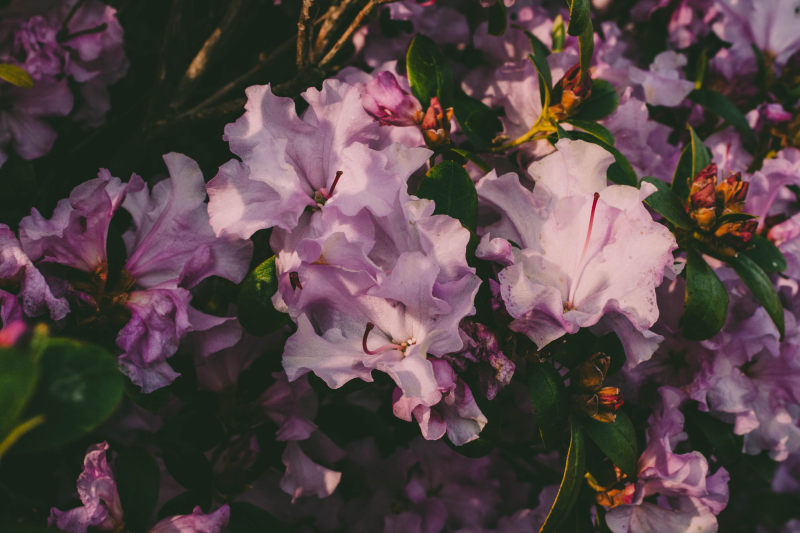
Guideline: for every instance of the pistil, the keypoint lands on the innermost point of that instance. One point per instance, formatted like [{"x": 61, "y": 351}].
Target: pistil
[{"x": 580, "y": 266}]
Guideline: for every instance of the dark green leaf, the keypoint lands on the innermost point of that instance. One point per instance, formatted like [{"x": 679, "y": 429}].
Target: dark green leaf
[
  {"x": 256, "y": 312},
  {"x": 80, "y": 386},
  {"x": 558, "y": 34},
  {"x": 497, "y": 18},
  {"x": 765, "y": 254},
  {"x": 601, "y": 102},
  {"x": 18, "y": 375},
  {"x": 667, "y": 204},
  {"x": 548, "y": 399},
  {"x": 138, "y": 482},
  {"x": 428, "y": 72},
  {"x": 466, "y": 155},
  {"x": 449, "y": 185},
  {"x": 593, "y": 128},
  {"x": 706, "y": 299},
  {"x": 248, "y": 518},
  {"x": 761, "y": 287},
  {"x": 694, "y": 158},
  {"x": 620, "y": 172},
  {"x": 719, "y": 104},
  {"x": 545, "y": 80},
  {"x": 586, "y": 48},
  {"x": 479, "y": 123},
  {"x": 571, "y": 481},
  {"x": 15, "y": 75},
  {"x": 617, "y": 440},
  {"x": 580, "y": 16}
]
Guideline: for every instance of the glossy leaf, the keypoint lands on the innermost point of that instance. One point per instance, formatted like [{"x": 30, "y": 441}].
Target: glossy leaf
[
  {"x": 479, "y": 123},
  {"x": 80, "y": 387},
  {"x": 617, "y": 440},
  {"x": 497, "y": 18},
  {"x": 138, "y": 482},
  {"x": 694, "y": 158},
  {"x": 428, "y": 72},
  {"x": 256, "y": 312},
  {"x": 719, "y": 104},
  {"x": 571, "y": 481},
  {"x": 548, "y": 399},
  {"x": 593, "y": 128},
  {"x": 601, "y": 102},
  {"x": 580, "y": 16},
  {"x": 667, "y": 204},
  {"x": 706, "y": 304},
  {"x": 761, "y": 287},
  {"x": 449, "y": 185},
  {"x": 15, "y": 75},
  {"x": 545, "y": 78},
  {"x": 18, "y": 375},
  {"x": 558, "y": 34},
  {"x": 765, "y": 254}
]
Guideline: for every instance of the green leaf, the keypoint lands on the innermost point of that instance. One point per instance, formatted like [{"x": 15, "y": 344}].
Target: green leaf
[
  {"x": 558, "y": 34},
  {"x": 620, "y": 171},
  {"x": 719, "y": 104},
  {"x": 706, "y": 304},
  {"x": 571, "y": 481},
  {"x": 497, "y": 18},
  {"x": 18, "y": 375},
  {"x": 479, "y": 123},
  {"x": 256, "y": 312},
  {"x": 761, "y": 287},
  {"x": 601, "y": 102},
  {"x": 765, "y": 254},
  {"x": 694, "y": 158},
  {"x": 586, "y": 48},
  {"x": 548, "y": 399},
  {"x": 617, "y": 440},
  {"x": 667, "y": 204},
  {"x": 138, "y": 481},
  {"x": 428, "y": 72},
  {"x": 466, "y": 155},
  {"x": 15, "y": 75},
  {"x": 580, "y": 16},
  {"x": 248, "y": 518},
  {"x": 545, "y": 78},
  {"x": 80, "y": 387},
  {"x": 449, "y": 185},
  {"x": 593, "y": 128}
]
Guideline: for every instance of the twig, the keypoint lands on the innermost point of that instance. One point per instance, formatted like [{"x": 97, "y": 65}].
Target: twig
[
  {"x": 303, "y": 36},
  {"x": 345, "y": 37}
]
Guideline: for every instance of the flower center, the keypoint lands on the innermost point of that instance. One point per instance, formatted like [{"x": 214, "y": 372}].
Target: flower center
[
  {"x": 322, "y": 195},
  {"x": 402, "y": 346},
  {"x": 580, "y": 267}
]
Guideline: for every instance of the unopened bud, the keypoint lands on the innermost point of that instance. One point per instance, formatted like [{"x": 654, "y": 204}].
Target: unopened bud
[
  {"x": 731, "y": 193},
  {"x": 736, "y": 234},
  {"x": 590, "y": 374},
  {"x": 436, "y": 124},
  {"x": 574, "y": 91},
  {"x": 703, "y": 198},
  {"x": 384, "y": 99}
]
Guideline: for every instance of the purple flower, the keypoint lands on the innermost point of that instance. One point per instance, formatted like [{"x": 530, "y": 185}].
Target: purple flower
[
  {"x": 98, "y": 492},
  {"x": 304, "y": 477},
  {"x": 662, "y": 84},
  {"x": 197, "y": 522},
  {"x": 384, "y": 99}
]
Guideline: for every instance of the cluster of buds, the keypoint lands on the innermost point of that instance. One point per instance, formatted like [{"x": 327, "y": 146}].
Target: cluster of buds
[
  {"x": 389, "y": 104},
  {"x": 589, "y": 396},
  {"x": 716, "y": 209},
  {"x": 613, "y": 489},
  {"x": 574, "y": 91}
]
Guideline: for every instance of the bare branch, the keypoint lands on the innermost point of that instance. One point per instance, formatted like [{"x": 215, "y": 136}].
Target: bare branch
[{"x": 303, "y": 37}]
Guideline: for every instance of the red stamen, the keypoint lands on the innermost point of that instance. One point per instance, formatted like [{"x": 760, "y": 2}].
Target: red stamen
[
  {"x": 294, "y": 279},
  {"x": 384, "y": 348},
  {"x": 569, "y": 303},
  {"x": 335, "y": 181}
]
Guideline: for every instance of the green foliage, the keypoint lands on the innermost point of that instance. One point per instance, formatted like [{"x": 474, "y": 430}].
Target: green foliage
[
  {"x": 479, "y": 123},
  {"x": 428, "y": 72},
  {"x": 79, "y": 387},
  {"x": 138, "y": 482},
  {"x": 694, "y": 158},
  {"x": 19, "y": 372},
  {"x": 667, "y": 204},
  {"x": 497, "y": 18},
  {"x": 765, "y": 254},
  {"x": 449, "y": 185},
  {"x": 593, "y": 128},
  {"x": 761, "y": 287},
  {"x": 256, "y": 312},
  {"x": 571, "y": 482},
  {"x": 602, "y": 101},
  {"x": 548, "y": 399},
  {"x": 706, "y": 304},
  {"x": 617, "y": 440},
  {"x": 719, "y": 104}
]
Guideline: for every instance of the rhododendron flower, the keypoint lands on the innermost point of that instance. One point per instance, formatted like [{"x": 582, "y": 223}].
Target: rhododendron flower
[
  {"x": 588, "y": 251},
  {"x": 197, "y": 522}
]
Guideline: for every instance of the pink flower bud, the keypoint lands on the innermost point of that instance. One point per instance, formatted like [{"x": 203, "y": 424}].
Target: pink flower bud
[{"x": 384, "y": 99}]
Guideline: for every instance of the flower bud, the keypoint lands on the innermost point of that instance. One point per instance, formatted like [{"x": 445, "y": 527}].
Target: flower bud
[
  {"x": 590, "y": 374},
  {"x": 737, "y": 234},
  {"x": 731, "y": 193},
  {"x": 436, "y": 124},
  {"x": 703, "y": 198},
  {"x": 384, "y": 99},
  {"x": 573, "y": 92}
]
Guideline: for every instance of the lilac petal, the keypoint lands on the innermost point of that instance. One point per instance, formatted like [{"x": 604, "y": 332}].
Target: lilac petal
[
  {"x": 303, "y": 477},
  {"x": 197, "y": 522}
]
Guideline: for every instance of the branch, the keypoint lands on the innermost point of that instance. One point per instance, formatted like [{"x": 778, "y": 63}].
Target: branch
[{"x": 303, "y": 36}]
